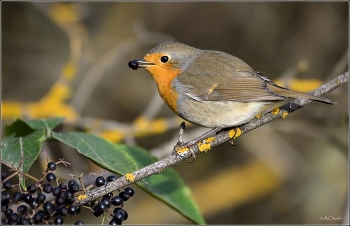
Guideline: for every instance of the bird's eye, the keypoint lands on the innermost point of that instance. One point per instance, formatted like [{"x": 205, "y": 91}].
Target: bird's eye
[{"x": 164, "y": 59}]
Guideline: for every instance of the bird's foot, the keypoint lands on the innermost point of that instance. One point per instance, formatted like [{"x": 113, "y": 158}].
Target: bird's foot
[
  {"x": 181, "y": 146},
  {"x": 232, "y": 142}
]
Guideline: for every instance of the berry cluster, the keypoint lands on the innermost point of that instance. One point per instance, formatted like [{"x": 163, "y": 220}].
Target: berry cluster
[
  {"x": 119, "y": 215},
  {"x": 31, "y": 206}
]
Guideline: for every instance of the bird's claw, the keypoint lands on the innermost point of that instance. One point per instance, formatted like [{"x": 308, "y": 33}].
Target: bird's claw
[
  {"x": 181, "y": 145},
  {"x": 232, "y": 142}
]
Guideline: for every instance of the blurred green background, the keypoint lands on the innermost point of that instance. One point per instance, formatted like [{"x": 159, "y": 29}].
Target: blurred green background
[{"x": 291, "y": 171}]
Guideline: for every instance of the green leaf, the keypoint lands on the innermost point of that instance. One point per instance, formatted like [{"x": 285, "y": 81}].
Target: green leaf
[
  {"x": 18, "y": 129},
  {"x": 23, "y": 149},
  {"x": 102, "y": 152},
  {"x": 22, "y": 127},
  {"x": 47, "y": 124},
  {"x": 167, "y": 186}
]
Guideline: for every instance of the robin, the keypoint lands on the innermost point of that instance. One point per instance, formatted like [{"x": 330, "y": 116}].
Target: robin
[{"x": 211, "y": 88}]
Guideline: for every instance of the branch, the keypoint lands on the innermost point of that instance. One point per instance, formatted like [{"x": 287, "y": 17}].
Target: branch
[{"x": 205, "y": 145}]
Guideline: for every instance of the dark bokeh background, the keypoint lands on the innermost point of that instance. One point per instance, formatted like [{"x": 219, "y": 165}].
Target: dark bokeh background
[{"x": 304, "y": 155}]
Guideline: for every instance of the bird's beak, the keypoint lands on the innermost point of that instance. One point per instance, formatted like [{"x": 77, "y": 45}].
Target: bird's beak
[{"x": 135, "y": 64}]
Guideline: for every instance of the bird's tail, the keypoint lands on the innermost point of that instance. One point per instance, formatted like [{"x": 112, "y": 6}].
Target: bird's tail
[{"x": 294, "y": 94}]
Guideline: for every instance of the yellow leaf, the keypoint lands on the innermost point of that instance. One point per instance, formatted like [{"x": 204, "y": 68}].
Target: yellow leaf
[
  {"x": 159, "y": 126},
  {"x": 11, "y": 109},
  {"x": 58, "y": 91},
  {"x": 69, "y": 70},
  {"x": 63, "y": 13},
  {"x": 300, "y": 85},
  {"x": 112, "y": 135}
]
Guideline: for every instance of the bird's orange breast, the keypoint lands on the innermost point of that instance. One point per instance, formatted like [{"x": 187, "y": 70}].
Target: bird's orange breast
[{"x": 163, "y": 76}]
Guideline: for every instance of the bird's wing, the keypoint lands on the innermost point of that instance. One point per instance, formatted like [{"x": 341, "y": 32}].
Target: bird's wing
[{"x": 221, "y": 77}]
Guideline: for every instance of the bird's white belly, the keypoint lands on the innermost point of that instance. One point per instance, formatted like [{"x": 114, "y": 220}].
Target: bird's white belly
[{"x": 218, "y": 113}]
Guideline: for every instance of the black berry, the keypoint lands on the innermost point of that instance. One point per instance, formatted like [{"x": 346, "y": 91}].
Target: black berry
[
  {"x": 5, "y": 198},
  {"x": 100, "y": 181},
  {"x": 8, "y": 212},
  {"x": 70, "y": 182},
  {"x": 47, "y": 188},
  {"x": 117, "y": 201},
  {"x": 37, "y": 217},
  {"x": 17, "y": 197},
  {"x": 106, "y": 202},
  {"x": 34, "y": 203},
  {"x": 63, "y": 211},
  {"x": 125, "y": 214},
  {"x": 51, "y": 166},
  {"x": 68, "y": 195},
  {"x": 23, "y": 221},
  {"x": 48, "y": 207},
  {"x": 51, "y": 177},
  {"x": 121, "y": 211},
  {"x": 124, "y": 195},
  {"x": 130, "y": 191},
  {"x": 111, "y": 178},
  {"x": 58, "y": 220},
  {"x": 74, "y": 188},
  {"x": 72, "y": 210},
  {"x": 27, "y": 198},
  {"x": 56, "y": 191},
  {"x": 3, "y": 175},
  {"x": 7, "y": 185},
  {"x": 13, "y": 218},
  {"x": 45, "y": 214},
  {"x": 118, "y": 217},
  {"x": 101, "y": 206},
  {"x": 4, "y": 207},
  {"x": 63, "y": 186},
  {"x": 113, "y": 222},
  {"x": 108, "y": 196},
  {"x": 31, "y": 188},
  {"x": 59, "y": 200},
  {"x": 22, "y": 209},
  {"x": 97, "y": 211},
  {"x": 41, "y": 197},
  {"x": 79, "y": 223},
  {"x": 133, "y": 64}
]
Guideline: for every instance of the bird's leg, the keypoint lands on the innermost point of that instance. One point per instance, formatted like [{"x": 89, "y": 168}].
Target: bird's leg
[
  {"x": 181, "y": 133},
  {"x": 180, "y": 144}
]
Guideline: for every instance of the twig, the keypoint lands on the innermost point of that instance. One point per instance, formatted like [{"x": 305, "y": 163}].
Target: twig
[{"x": 219, "y": 138}]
